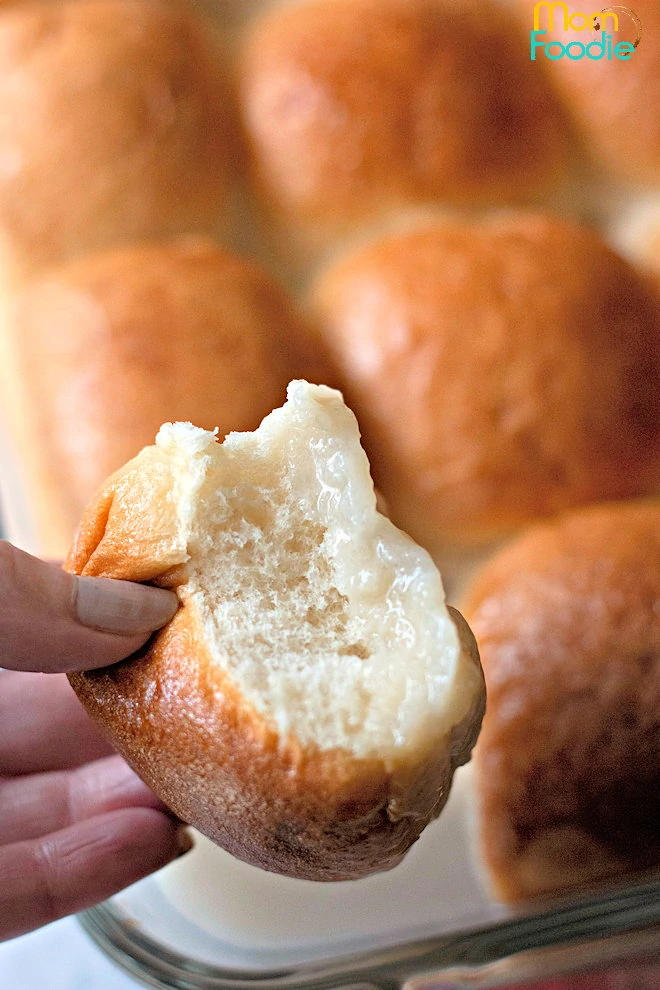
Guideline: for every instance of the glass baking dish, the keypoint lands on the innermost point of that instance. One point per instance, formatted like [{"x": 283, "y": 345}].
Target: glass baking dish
[
  {"x": 209, "y": 922},
  {"x": 600, "y": 942}
]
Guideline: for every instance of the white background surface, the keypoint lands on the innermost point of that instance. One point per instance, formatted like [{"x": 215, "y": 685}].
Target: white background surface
[{"x": 59, "y": 957}]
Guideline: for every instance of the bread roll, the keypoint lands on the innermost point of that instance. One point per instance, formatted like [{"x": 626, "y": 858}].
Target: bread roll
[
  {"x": 354, "y": 108},
  {"x": 613, "y": 103},
  {"x": 500, "y": 372},
  {"x": 568, "y": 763},
  {"x": 308, "y": 704},
  {"x": 116, "y": 125},
  {"x": 108, "y": 347}
]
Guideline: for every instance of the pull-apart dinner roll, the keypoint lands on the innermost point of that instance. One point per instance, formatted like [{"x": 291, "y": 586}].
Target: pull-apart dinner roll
[
  {"x": 107, "y": 348},
  {"x": 500, "y": 371},
  {"x": 356, "y": 108},
  {"x": 116, "y": 125},
  {"x": 309, "y": 702},
  {"x": 568, "y": 764},
  {"x": 612, "y": 102}
]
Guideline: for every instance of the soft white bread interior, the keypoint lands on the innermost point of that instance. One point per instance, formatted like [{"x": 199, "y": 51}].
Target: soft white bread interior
[{"x": 308, "y": 705}]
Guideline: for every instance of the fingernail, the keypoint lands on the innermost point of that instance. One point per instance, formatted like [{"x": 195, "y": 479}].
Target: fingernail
[
  {"x": 184, "y": 842},
  {"x": 122, "y": 607}
]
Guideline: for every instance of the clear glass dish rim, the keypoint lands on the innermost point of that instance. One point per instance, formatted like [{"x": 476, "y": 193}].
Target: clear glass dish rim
[{"x": 618, "y": 921}]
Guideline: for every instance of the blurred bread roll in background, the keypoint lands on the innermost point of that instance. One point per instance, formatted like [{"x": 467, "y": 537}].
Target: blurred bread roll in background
[
  {"x": 109, "y": 347},
  {"x": 117, "y": 125},
  {"x": 355, "y": 108},
  {"x": 612, "y": 103},
  {"x": 568, "y": 762},
  {"x": 500, "y": 371}
]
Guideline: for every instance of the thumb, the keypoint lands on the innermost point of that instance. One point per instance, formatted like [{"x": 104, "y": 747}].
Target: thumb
[{"x": 51, "y": 621}]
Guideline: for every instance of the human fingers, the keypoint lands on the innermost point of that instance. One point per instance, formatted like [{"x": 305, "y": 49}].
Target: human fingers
[
  {"x": 43, "y": 725},
  {"x": 53, "y": 621},
  {"x": 41, "y": 803},
  {"x": 70, "y": 870}
]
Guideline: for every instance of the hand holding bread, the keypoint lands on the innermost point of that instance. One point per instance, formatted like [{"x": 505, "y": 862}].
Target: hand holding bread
[{"x": 309, "y": 702}]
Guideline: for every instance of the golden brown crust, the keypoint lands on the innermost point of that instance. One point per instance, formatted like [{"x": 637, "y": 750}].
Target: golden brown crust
[
  {"x": 500, "y": 371},
  {"x": 568, "y": 624},
  {"x": 354, "y": 108},
  {"x": 613, "y": 103},
  {"x": 310, "y": 814},
  {"x": 181, "y": 723},
  {"x": 110, "y": 347},
  {"x": 137, "y": 138}
]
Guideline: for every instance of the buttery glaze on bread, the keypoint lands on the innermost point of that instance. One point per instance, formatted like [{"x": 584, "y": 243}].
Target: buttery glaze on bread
[
  {"x": 500, "y": 371},
  {"x": 613, "y": 103},
  {"x": 116, "y": 125},
  {"x": 107, "y": 348},
  {"x": 308, "y": 704},
  {"x": 568, "y": 763},
  {"x": 355, "y": 108}
]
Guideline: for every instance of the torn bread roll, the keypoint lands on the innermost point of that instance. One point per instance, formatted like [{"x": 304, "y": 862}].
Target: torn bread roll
[
  {"x": 308, "y": 704},
  {"x": 103, "y": 350},
  {"x": 117, "y": 124},
  {"x": 567, "y": 767}
]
